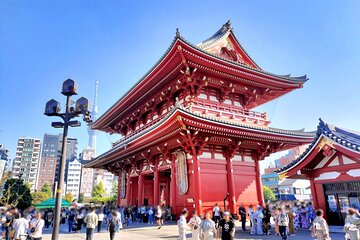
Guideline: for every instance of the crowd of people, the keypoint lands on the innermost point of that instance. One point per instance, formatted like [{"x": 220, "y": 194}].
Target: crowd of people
[{"x": 281, "y": 219}]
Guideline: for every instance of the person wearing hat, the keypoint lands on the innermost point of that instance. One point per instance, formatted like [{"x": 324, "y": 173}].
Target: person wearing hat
[{"x": 227, "y": 227}]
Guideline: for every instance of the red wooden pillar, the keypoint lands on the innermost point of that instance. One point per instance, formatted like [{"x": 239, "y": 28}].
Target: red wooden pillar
[
  {"x": 128, "y": 189},
  {"x": 173, "y": 185},
  {"x": 314, "y": 193},
  {"x": 197, "y": 183},
  {"x": 156, "y": 182},
  {"x": 141, "y": 188},
  {"x": 231, "y": 184},
  {"x": 259, "y": 189}
]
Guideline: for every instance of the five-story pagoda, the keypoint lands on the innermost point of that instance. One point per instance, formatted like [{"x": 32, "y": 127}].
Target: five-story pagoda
[{"x": 189, "y": 134}]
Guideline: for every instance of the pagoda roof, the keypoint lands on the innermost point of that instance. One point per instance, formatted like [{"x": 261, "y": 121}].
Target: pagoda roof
[
  {"x": 169, "y": 65},
  {"x": 270, "y": 133},
  {"x": 339, "y": 138}
]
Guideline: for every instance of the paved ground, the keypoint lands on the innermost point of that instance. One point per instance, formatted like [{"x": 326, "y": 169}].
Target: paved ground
[{"x": 147, "y": 232}]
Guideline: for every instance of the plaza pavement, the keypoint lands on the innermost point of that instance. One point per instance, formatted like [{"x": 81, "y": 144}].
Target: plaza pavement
[{"x": 138, "y": 231}]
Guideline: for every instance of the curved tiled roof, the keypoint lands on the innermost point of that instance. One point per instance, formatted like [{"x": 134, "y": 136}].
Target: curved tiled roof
[
  {"x": 347, "y": 138},
  {"x": 199, "y": 47},
  {"x": 125, "y": 141}
]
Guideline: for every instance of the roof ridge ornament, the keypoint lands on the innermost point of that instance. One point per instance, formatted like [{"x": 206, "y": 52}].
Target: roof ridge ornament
[
  {"x": 178, "y": 33},
  {"x": 227, "y": 25}
]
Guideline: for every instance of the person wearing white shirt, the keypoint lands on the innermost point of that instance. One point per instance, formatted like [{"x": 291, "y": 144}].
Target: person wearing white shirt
[
  {"x": 182, "y": 224},
  {"x": 100, "y": 220},
  {"x": 194, "y": 223},
  {"x": 36, "y": 226},
  {"x": 20, "y": 226},
  {"x": 216, "y": 212}
]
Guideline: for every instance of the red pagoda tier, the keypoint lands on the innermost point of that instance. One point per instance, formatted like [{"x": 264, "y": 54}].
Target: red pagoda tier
[{"x": 189, "y": 134}]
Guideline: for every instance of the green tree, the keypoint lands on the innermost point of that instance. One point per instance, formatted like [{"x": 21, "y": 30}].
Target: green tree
[
  {"x": 38, "y": 197},
  {"x": 81, "y": 198},
  {"x": 69, "y": 197},
  {"x": 46, "y": 189},
  {"x": 99, "y": 190},
  {"x": 16, "y": 193},
  {"x": 268, "y": 194},
  {"x": 115, "y": 188}
]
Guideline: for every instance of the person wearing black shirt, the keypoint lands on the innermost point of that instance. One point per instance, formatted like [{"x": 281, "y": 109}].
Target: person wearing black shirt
[
  {"x": 242, "y": 213},
  {"x": 227, "y": 227}
]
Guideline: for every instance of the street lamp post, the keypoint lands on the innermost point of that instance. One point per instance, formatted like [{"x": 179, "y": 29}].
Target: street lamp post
[{"x": 52, "y": 108}]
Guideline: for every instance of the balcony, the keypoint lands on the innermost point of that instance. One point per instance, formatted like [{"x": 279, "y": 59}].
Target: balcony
[{"x": 232, "y": 113}]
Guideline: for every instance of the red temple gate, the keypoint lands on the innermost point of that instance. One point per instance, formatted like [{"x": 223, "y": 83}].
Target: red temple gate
[{"x": 190, "y": 136}]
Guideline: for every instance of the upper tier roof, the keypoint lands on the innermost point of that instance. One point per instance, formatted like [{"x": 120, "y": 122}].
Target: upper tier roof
[
  {"x": 338, "y": 136},
  {"x": 298, "y": 137},
  {"x": 220, "y": 55}
]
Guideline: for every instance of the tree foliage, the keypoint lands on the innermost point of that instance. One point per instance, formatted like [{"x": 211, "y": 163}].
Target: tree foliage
[
  {"x": 115, "y": 188},
  {"x": 38, "y": 197},
  {"x": 16, "y": 193},
  {"x": 81, "y": 198},
  {"x": 99, "y": 190},
  {"x": 69, "y": 197},
  {"x": 268, "y": 194},
  {"x": 46, "y": 189},
  {"x": 103, "y": 200}
]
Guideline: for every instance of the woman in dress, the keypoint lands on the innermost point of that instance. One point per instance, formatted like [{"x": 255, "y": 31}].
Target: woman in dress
[
  {"x": 266, "y": 220},
  {"x": 304, "y": 220},
  {"x": 259, "y": 218},
  {"x": 252, "y": 215},
  {"x": 194, "y": 223},
  {"x": 207, "y": 228},
  {"x": 291, "y": 217},
  {"x": 320, "y": 228}
]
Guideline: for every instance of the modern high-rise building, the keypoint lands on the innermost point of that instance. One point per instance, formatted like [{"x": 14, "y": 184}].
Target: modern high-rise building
[
  {"x": 26, "y": 161},
  {"x": 48, "y": 162},
  {"x": 4, "y": 157}
]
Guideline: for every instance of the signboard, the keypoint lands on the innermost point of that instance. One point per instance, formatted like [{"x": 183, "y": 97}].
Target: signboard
[{"x": 332, "y": 203}]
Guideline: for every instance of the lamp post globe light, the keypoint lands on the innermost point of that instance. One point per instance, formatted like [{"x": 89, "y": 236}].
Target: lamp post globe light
[{"x": 52, "y": 108}]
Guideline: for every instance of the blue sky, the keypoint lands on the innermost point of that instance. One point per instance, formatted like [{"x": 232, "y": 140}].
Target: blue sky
[{"x": 43, "y": 43}]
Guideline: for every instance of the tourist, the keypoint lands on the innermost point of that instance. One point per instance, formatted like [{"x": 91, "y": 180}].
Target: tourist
[
  {"x": 118, "y": 221},
  {"x": 320, "y": 228},
  {"x": 79, "y": 219},
  {"x": 111, "y": 226},
  {"x": 291, "y": 217},
  {"x": 207, "y": 228},
  {"x": 182, "y": 224},
  {"x": 259, "y": 218},
  {"x": 266, "y": 220},
  {"x": 63, "y": 216},
  {"x": 216, "y": 214},
  {"x": 227, "y": 227},
  {"x": 283, "y": 222},
  {"x": 20, "y": 225},
  {"x": 304, "y": 220},
  {"x": 71, "y": 220},
  {"x": 91, "y": 221},
  {"x": 100, "y": 220},
  {"x": 36, "y": 227},
  {"x": 49, "y": 217},
  {"x": 352, "y": 225},
  {"x": 252, "y": 215},
  {"x": 311, "y": 212},
  {"x": 276, "y": 225},
  {"x": 194, "y": 224},
  {"x": 142, "y": 214},
  {"x": 158, "y": 216},
  {"x": 151, "y": 216},
  {"x": 242, "y": 213}
]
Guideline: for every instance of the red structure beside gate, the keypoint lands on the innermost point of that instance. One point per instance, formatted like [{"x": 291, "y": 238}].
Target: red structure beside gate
[
  {"x": 332, "y": 164},
  {"x": 189, "y": 134}
]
